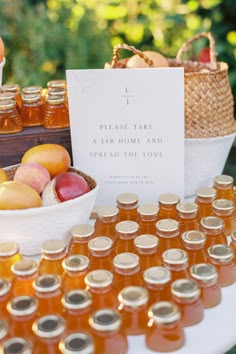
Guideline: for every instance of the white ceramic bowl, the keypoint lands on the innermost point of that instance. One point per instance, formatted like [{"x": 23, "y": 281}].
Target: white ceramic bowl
[{"x": 31, "y": 227}]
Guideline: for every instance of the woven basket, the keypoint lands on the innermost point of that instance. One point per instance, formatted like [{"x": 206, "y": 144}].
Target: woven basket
[{"x": 31, "y": 227}]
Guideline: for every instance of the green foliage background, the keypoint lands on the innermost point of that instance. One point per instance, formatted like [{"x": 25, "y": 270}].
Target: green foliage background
[{"x": 43, "y": 38}]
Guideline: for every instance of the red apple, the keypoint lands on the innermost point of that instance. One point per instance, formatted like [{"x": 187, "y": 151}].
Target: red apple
[{"x": 204, "y": 55}]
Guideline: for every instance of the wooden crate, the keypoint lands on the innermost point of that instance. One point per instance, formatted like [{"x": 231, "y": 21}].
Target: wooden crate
[{"x": 13, "y": 146}]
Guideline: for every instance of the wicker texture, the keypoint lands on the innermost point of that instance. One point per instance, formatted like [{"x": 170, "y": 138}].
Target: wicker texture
[{"x": 209, "y": 106}]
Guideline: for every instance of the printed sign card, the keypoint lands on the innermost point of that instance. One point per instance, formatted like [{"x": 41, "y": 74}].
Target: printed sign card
[{"x": 127, "y": 130}]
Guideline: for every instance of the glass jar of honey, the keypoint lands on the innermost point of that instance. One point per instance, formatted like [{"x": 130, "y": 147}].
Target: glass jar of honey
[
  {"x": 224, "y": 187},
  {"x": 5, "y": 287},
  {"x": 133, "y": 309},
  {"x": 17, "y": 345},
  {"x": 5, "y": 96},
  {"x": 80, "y": 236},
  {"x": 107, "y": 332},
  {"x": 221, "y": 256},
  {"x": 214, "y": 229},
  {"x": 9, "y": 255},
  {"x": 126, "y": 270},
  {"x": 176, "y": 260},
  {"x": 168, "y": 234},
  {"x": 101, "y": 253},
  {"x": 52, "y": 254},
  {"x": 14, "y": 88},
  {"x": 107, "y": 218},
  {"x": 32, "y": 110},
  {"x": 77, "y": 308},
  {"x": 22, "y": 311},
  {"x": 56, "y": 113},
  {"x": 167, "y": 206},
  {"x": 48, "y": 293},
  {"x": 204, "y": 198},
  {"x": 147, "y": 218},
  {"x": 194, "y": 243},
  {"x": 232, "y": 243},
  {"x": 127, "y": 204},
  {"x": 224, "y": 209},
  {"x": 77, "y": 343},
  {"x": 157, "y": 282},
  {"x": 186, "y": 294},
  {"x": 187, "y": 215},
  {"x": 10, "y": 118},
  {"x": 146, "y": 247},
  {"x": 25, "y": 271},
  {"x": 100, "y": 285},
  {"x": 206, "y": 276},
  {"x": 75, "y": 269},
  {"x": 165, "y": 331},
  {"x": 126, "y": 232},
  {"x": 48, "y": 331}
]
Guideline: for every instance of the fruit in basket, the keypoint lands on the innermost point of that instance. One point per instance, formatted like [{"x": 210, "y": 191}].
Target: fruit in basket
[
  {"x": 204, "y": 55},
  {"x": 2, "y": 50},
  {"x": 54, "y": 157},
  {"x": 63, "y": 187},
  {"x": 135, "y": 61},
  {"x": 33, "y": 174},
  {"x": 16, "y": 195},
  {"x": 3, "y": 176}
]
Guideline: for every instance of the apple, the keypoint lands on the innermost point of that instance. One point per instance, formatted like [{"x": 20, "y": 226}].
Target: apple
[
  {"x": 204, "y": 55},
  {"x": 65, "y": 186}
]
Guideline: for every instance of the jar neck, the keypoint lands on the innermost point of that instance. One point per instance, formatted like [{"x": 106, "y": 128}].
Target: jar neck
[
  {"x": 109, "y": 220},
  {"x": 26, "y": 276},
  {"x": 170, "y": 234},
  {"x": 100, "y": 290},
  {"x": 127, "y": 236},
  {"x": 205, "y": 200},
  {"x": 184, "y": 300},
  {"x": 24, "y": 318},
  {"x": 78, "y": 312},
  {"x": 139, "y": 308},
  {"x": 55, "y": 256},
  {"x": 167, "y": 207},
  {"x": 213, "y": 231},
  {"x": 194, "y": 247},
  {"x": 78, "y": 239},
  {"x": 187, "y": 216},
  {"x": 146, "y": 251},
  {"x": 100, "y": 254},
  {"x": 224, "y": 213},
  {"x": 176, "y": 267},
  {"x": 76, "y": 273},
  {"x": 147, "y": 218},
  {"x": 48, "y": 294},
  {"x": 156, "y": 287},
  {"x": 127, "y": 271},
  {"x": 222, "y": 263}
]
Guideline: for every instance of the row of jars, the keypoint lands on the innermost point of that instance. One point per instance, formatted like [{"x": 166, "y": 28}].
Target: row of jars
[{"x": 33, "y": 106}]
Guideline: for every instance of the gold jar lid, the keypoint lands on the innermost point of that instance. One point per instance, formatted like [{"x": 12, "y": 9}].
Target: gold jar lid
[
  {"x": 3, "y": 329},
  {"x": 8, "y": 249},
  {"x": 127, "y": 228},
  {"x": 32, "y": 90},
  {"x": 24, "y": 267},
  {"x": 175, "y": 256},
  {"x": 167, "y": 225},
  {"x": 99, "y": 278},
  {"x": 56, "y": 91},
  {"x": 76, "y": 299},
  {"x": 82, "y": 230},
  {"x": 212, "y": 223},
  {"x": 148, "y": 210},
  {"x": 17, "y": 345},
  {"x": 146, "y": 241},
  {"x": 55, "y": 100},
  {"x": 77, "y": 343},
  {"x": 10, "y": 87},
  {"x": 187, "y": 208},
  {"x": 185, "y": 288},
  {"x": 7, "y": 96},
  {"x": 194, "y": 238},
  {"x": 221, "y": 253},
  {"x": 126, "y": 260},
  {"x": 107, "y": 212},
  {"x": 31, "y": 98},
  {"x": 49, "y": 326},
  {"x": 5, "y": 286},
  {"x": 53, "y": 246},
  {"x": 157, "y": 275},
  {"x": 22, "y": 306},
  {"x": 206, "y": 192},
  {"x": 7, "y": 104},
  {"x": 224, "y": 205},
  {"x": 204, "y": 272},
  {"x": 75, "y": 263},
  {"x": 47, "y": 283},
  {"x": 105, "y": 320},
  {"x": 133, "y": 296},
  {"x": 127, "y": 200},
  {"x": 168, "y": 199},
  {"x": 100, "y": 243},
  {"x": 223, "y": 181},
  {"x": 56, "y": 83},
  {"x": 164, "y": 312}
]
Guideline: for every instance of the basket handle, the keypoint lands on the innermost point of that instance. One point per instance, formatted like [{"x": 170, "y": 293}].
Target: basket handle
[
  {"x": 131, "y": 48},
  {"x": 213, "y": 54}
]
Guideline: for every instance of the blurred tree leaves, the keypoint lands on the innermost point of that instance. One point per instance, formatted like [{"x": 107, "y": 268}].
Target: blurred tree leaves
[{"x": 43, "y": 38}]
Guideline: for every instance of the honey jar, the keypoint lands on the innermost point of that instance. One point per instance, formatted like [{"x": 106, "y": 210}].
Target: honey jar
[
  {"x": 127, "y": 204},
  {"x": 147, "y": 218},
  {"x": 224, "y": 187},
  {"x": 10, "y": 118},
  {"x": 75, "y": 269},
  {"x": 167, "y": 206},
  {"x": 204, "y": 199},
  {"x": 107, "y": 218}
]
